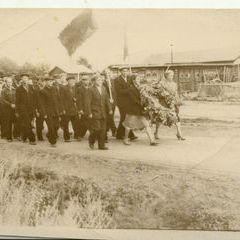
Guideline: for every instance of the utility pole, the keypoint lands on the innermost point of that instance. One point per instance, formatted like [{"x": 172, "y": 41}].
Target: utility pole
[{"x": 171, "y": 46}]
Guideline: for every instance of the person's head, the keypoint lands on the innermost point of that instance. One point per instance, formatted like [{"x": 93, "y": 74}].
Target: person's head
[
  {"x": 48, "y": 81},
  {"x": 71, "y": 81},
  {"x": 30, "y": 81},
  {"x": 169, "y": 74},
  {"x": 41, "y": 83},
  {"x": 63, "y": 77},
  {"x": 85, "y": 80},
  {"x": 57, "y": 79},
  {"x": 9, "y": 81},
  {"x": 98, "y": 80},
  {"x": 24, "y": 79},
  {"x": 108, "y": 73},
  {"x": 124, "y": 71}
]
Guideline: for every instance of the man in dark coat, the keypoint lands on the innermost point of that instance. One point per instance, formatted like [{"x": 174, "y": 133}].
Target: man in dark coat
[
  {"x": 110, "y": 87},
  {"x": 11, "y": 125},
  {"x": 122, "y": 88},
  {"x": 70, "y": 112},
  {"x": 81, "y": 95},
  {"x": 58, "y": 85},
  {"x": 98, "y": 106},
  {"x": 51, "y": 110},
  {"x": 25, "y": 109},
  {"x": 38, "y": 100}
]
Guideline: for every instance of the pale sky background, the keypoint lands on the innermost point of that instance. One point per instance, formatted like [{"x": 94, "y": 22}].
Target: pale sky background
[{"x": 149, "y": 31}]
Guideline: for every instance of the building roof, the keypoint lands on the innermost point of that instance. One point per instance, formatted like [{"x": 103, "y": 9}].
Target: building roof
[
  {"x": 73, "y": 69},
  {"x": 200, "y": 56},
  {"x": 190, "y": 64}
]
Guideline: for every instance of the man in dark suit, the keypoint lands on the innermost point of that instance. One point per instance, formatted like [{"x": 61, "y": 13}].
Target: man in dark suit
[
  {"x": 51, "y": 110},
  {"x": 38, "y": 101},
  {"x": 70, "y": 112},
  {"x": 122, "y": 88},
  {"x": 25, "y": 109},
  {"x": 98, "y": 107},
  {"x": 58, "y": 85},
  {"x": 110, "y": 87},
  {"x": 81, "y": 94},
  {"x": 8, "y": 108}
]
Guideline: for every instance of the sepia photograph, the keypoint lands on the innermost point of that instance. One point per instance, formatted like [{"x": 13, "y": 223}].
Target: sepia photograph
[{"x": 119, "y": 119}]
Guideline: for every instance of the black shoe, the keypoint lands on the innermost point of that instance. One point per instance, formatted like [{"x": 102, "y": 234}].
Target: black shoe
[
  {"x": 40, "y": 139},
  {"x": 32, "y": 143},
  {"x": 153, "y": 143},
  {"x": 133, "y": 138},
  {"x": 10, "y": 140},
  {"x": 67, "y": 140},
  {"x": 103, "y": 148}
]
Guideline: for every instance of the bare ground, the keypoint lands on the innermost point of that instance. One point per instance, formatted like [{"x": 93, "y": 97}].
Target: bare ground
[{"x": 191, "y": 184}]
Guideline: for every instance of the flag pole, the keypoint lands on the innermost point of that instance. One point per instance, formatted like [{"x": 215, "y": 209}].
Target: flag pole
[{"x": 126, "y": 51}]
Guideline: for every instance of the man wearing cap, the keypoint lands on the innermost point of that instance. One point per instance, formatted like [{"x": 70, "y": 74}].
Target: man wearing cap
[
  {"x": 39, "y": 107},
  {"x": 50, "y": 110},
  {"x": 8, "y": 106},
  {"x": 98, "y": 107},
  {"x": 70, "y": 112},
  {"x": 81, "y": 94},
  {"x": 25, "y": 109},
  {"x": 110, "y": 87},
  {"x": 122, "y": 88},
  {"x": 58, "y": 85}
]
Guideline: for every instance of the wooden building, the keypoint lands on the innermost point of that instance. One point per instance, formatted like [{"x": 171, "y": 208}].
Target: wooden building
[
  {"x": 189, "y": 75},
  {"x": 75, "y": 70}
]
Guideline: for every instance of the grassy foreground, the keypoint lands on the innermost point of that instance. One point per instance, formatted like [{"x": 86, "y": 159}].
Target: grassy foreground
[{"x": 100, "y": 193}]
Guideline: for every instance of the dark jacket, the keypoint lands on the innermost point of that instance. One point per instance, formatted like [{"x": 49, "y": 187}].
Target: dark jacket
[
  {"x": 134, "y": 101},
  {"x": 122, "y": 91},
  {"x": 38, "y": 101},
  {"x": 8, "y": 98},
  {"x": 24, "y": 101},
  {"x": 60, "y": 99},
  {"x": 97, "y": 104},
  {"x": 50, "y": 101},
  {"x": 81, "y": 96},
  {"x": 69, "y": 100}
]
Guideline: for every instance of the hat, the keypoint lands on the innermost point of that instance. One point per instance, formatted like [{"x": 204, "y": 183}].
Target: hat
[
  {"x": 47, "y": 79},
  {"x": 70, "y": 77},
  {"x": 123, "y": 67}
]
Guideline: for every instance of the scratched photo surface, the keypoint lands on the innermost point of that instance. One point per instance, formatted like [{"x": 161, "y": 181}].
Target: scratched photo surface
[{"x": 120, "y": 118}]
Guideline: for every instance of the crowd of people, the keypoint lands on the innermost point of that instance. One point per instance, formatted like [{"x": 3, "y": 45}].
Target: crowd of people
[{"x": 27, "y": 102}]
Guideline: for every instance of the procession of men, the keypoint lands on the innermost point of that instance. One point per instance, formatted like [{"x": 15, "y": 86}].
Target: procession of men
[{"x": 29, "y": 103}]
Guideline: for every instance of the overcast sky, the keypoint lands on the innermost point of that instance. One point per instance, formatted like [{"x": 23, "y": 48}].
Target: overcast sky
[{"x": 148, "y": 32}]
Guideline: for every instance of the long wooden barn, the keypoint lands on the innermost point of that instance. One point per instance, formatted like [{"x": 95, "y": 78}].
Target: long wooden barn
[{"x": 189, "y": 75}]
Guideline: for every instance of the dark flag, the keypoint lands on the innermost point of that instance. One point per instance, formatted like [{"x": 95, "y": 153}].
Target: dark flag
[{"x": 80, "y": 29}]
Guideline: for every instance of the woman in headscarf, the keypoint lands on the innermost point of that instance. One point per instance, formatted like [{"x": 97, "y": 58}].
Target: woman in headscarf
[
  {"x": 135, "y": 118},
  {"x": 171, "y": 98}
]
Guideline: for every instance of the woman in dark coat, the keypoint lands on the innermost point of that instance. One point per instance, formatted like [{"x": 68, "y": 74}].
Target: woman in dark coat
[{"x": 135, "y": 118}]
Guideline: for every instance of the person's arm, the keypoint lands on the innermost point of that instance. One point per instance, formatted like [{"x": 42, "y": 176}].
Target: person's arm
[
  {"x": 18, "y": 101},
  {"x": 107, "y": 103},
  {"x": 87, "y": 102},
  {"x": 5, "y": 99}
]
